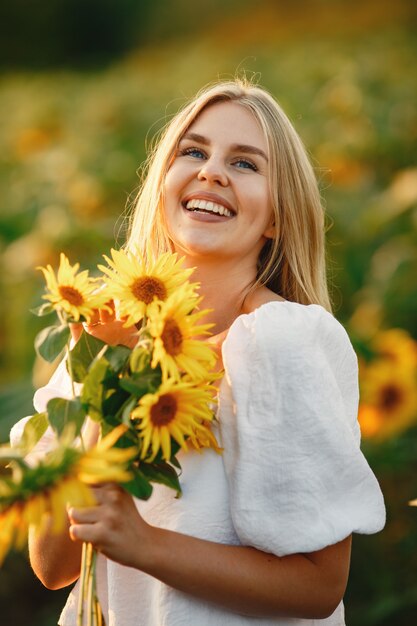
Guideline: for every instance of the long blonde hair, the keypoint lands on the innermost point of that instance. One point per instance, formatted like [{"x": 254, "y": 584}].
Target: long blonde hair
[{"x": 293, "y": 263}]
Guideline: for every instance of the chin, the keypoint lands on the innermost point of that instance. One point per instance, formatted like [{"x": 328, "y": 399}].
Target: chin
[{"x": 197, "y": 247}]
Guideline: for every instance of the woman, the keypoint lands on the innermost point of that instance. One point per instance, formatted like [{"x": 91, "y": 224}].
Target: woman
[{"x": 262, "y": 533}]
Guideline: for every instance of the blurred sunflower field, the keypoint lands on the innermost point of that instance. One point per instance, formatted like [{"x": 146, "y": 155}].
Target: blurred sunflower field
[{"x": 75, "y": 120}]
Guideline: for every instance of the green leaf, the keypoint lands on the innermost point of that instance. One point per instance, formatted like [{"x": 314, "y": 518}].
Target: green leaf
[
  {"x": 139, "y": 384},
  {"x": 62, "y": 412},
  {"x": 50, "y": 342},
  {"x": 175, "y": 448},
  {"x": 127, "y": 409},
  {"x": 162, "y": 473},
  {"x": 139, "y": 360},
  {"x": 33, "y": 431},
  {"x": 117, "y": 356},
  {"x": 112, "y": 406},
  {"x": 139, "y": 486},
  {"x": 83, "y": 354},
  {"x": 93, "y": 391},
  {"x": 175, "y": 462},
  {"x": 44, "y": 309}
]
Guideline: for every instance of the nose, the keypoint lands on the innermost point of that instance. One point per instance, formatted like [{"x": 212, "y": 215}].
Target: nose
[{"x": 213, "y": 170}]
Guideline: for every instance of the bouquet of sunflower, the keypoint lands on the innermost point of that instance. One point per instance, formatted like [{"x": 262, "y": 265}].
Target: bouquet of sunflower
[{"x": 148, "y": 400}]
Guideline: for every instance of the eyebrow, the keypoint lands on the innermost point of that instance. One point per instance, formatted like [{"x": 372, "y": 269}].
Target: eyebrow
[{"x": 237, "y": 147}]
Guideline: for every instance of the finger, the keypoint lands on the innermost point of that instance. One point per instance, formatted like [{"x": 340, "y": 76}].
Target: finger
[
  {"x": 86, "y": 515},
  {"x": 109, "y": 493},
  {"x": 108, "y": 316},
  {"x": 100, "y": 489},
  {"x": 85, "y": 532},
  {"x": 95, "y": 318},
  {"x": 76, "y": 330}
]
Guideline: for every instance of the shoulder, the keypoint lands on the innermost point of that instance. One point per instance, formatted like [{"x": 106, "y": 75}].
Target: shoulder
[
  {"x": 291, "y": 326},
  {"x": 291, "y": 341},
  {"x": 257, "y": 298}
]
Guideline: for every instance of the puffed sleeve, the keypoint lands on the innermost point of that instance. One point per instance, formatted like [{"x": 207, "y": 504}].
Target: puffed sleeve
[
  {"x": 297, "y": 478},
  {"x": 59, "y": 386}
]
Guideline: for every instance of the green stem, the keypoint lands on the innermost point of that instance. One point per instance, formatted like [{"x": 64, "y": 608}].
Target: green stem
[
  {"x": 70, "y": 370},
  {"x": 92, "y": 613},
  {"x": 99, "y": 613},
  {"x": 88, "y": 597},
  {"x": 64, "y": 322},
  {"x": 83, "y": 575}
]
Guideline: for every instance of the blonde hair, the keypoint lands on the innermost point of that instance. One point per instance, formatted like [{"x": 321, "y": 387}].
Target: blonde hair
[{"x": 292, "y": 264}]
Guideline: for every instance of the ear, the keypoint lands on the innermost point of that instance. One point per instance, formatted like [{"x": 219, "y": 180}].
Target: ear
[{"x": 270, "y": 231}]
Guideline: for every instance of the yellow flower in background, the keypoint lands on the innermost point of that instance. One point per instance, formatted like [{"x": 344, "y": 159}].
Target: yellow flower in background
[
  {"x": 176, "y": 409},
  {"x": 134, "y": 285},
  {"x": 36, "y": 495},
  {"x": 73, "y": 292},
  {"x": 174, "y": 328},
  {"x": 391, "y": 392},
  {"x": 396, "y": 345},
  {"x": 370, "y": 420}
]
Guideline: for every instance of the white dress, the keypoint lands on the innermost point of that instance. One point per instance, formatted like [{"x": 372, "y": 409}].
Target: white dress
[{"x": 291, "y": 478}]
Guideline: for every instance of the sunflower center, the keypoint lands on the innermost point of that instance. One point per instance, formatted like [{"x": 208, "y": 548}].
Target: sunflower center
[
  {"x": 146, "y": 288},
  {"x": 164, "y": 411},
  {"x": 172, "y": 337},
  {"x": 390, "y": 397},
  {"x": 73, "y": 296}
]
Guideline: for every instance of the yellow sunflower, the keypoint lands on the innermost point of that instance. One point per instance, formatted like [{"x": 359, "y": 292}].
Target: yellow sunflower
[
  {"x": 177, "y": 410},
  {"x": 174, "y": 328},
  {"x": 35, "y": 495},
  {"x": 104, "y": 463},
  {"x": 370, "y": 420},
  {"x": 135, "y": 285},
  {"x": 396, "y": 345},
  {"x": 204, "y": 439},
  {"x": 72, "y": 292},
  {"x": 391, "y": 392}
]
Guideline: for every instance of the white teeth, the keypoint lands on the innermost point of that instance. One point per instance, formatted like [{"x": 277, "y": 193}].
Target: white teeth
[{"x": 208, "y": 206}]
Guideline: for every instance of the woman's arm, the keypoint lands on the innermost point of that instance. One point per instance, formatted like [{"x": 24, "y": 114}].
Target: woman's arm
[
  {"x": 239, "y": 578},
  {"x": 55, "y": 559}
]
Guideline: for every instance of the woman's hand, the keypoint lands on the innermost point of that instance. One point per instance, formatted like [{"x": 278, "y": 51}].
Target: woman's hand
[
  {"x": 106, "y": 326},
  {"x": 114, "y": 526}
]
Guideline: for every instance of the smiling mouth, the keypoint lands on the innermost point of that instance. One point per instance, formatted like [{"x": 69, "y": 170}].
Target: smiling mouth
[{"x": 205, "y": 206}]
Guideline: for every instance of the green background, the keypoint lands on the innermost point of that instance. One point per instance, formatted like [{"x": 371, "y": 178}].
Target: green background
[{"x": 85, "y": 84}]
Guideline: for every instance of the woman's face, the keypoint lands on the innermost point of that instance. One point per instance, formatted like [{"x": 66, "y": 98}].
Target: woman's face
[{"x": 217, "y": 199}]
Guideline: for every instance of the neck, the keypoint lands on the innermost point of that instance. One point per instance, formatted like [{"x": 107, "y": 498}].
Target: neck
[{"x": 224, "y": 288}]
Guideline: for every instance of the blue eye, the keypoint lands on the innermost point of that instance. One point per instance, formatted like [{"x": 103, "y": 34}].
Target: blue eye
[
  {"x": 245, "y": 164},
  {"x": 193, "y": 152}
]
